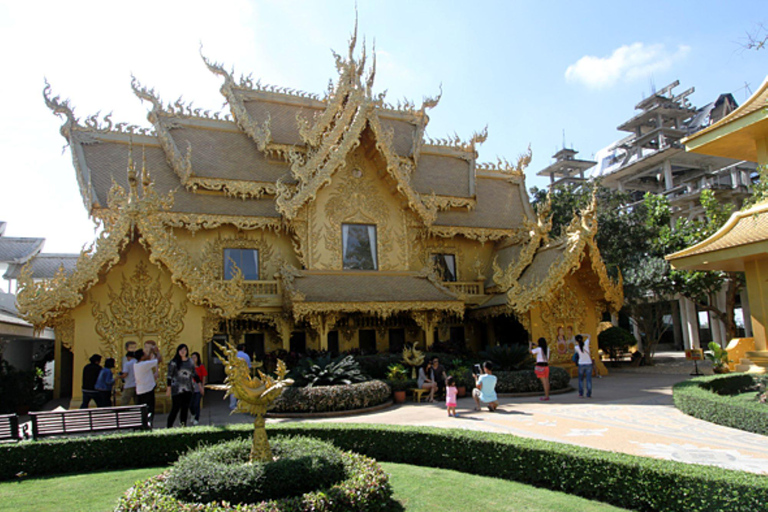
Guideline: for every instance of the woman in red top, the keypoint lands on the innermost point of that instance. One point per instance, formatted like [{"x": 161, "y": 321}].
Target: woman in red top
[{"x": 201, "y": 376}]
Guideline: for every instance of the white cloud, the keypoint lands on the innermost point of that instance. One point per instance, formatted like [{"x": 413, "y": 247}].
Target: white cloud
[{"x": 627, "y": 63}]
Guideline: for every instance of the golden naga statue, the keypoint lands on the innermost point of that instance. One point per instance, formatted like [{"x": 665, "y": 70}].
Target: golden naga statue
[
  {"x": 254, "y": 395},
  {"x": 413, "y": 357}
]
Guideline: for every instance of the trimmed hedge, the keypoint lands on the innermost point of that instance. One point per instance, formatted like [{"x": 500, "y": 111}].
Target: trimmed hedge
[
  {"x": 624, "y": 480},
  {"x": 332, "y": 398},
  {"x": 223, "y": 471},
  {"x": 366, "y": 489},
  {"x": 707, "y": 398},
  {"x": 525, "y": 381}
]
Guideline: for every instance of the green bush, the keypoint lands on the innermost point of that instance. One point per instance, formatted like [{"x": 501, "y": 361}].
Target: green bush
[
  {"x": 366, "y": 489},
  {"x": 525, "y": 381},
  {"x": 376, "y": 365},
  {"x": 624, "y": 480},
  {"x": 332, "y": 398},
  {"x": 707, "y": 398},
  {"x": 222, "y": 472},
  {"x": 508, "y": 357},
  {"x": 325, "y": 371},
  {"x": 615, "y": 340}
]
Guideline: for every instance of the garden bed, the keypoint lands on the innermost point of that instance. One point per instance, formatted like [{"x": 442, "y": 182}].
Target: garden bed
[
  {"x": 717, "y": 399},
  {"x": 324, "y": 399},
  {"x": 624, "y": 480}
]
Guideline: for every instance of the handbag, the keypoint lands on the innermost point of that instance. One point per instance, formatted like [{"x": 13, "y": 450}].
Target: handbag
[{"x": 575, "y": 357}]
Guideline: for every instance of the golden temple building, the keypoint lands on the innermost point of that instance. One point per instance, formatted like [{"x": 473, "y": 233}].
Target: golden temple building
[
  {"x": 300, "y": 222},
  {"x": 741, "y": 244}
]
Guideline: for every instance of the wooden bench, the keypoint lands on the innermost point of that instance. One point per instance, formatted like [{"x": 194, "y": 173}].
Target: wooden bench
[
  {"x": 84, "y": 421},
  {"x": 9, "y": 427}
]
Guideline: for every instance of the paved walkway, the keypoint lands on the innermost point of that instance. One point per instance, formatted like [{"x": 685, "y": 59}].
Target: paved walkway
[{"x": 631, "y": 411}]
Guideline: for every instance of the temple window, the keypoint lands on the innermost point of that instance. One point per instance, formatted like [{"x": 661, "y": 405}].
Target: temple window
[
  {"x": 359, "y": 247},
  {"x": 445, "y": 265},
  {"x": 247, "y": 260}
]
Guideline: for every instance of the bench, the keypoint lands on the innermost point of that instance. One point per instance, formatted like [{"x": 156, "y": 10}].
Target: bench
[
  {"x": 84, "y": 421},
  {"x": 9, "y": 427},
  {"x": 418, "y": 393}
]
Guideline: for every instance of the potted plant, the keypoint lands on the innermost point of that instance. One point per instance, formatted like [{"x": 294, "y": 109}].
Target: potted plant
[
  {"x": 719, "y": 357},
  {"x": 397, "y": 378}
]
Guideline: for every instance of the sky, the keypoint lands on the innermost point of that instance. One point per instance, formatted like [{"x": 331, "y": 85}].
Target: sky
[{"x": 538, "y": 73}]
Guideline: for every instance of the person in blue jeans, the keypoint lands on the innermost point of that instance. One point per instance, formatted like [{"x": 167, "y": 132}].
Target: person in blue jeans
[{"x": 584, "y": 364}]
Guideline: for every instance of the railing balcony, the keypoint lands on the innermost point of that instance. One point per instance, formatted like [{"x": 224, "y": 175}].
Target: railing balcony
[
  {"x": 467, "y": 288},
  {"x": 262, "y": 293}
]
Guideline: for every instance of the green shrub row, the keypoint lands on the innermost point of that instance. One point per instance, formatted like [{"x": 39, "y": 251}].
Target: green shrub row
[
  {"x": 367, "y": 489},
  {"x": 333, "y": 398},
  {"x": 706, "y": 398},
  {"x": 223, "y": 471},
  {"x": 525, "y": 381},
  {"x": 624, "y": 480}
]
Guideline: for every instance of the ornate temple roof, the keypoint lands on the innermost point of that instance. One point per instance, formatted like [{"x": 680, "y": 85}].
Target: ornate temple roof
[
  {"x": 19, "y": 250},
  {"x": 744, "y": 235},
  {"x": 44, "y": 266}
]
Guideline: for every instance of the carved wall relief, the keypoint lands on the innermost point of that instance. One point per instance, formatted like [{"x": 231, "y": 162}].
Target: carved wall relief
[
  {"x": 564, "y": 315},
  {"x": 139, "y": 311},
  {"x": 357, "y": 195}
]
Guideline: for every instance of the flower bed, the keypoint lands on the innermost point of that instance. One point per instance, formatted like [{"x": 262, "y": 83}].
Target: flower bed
[
  {"x": 366, "y": 488},
  {"x": 629, "y": 481},
  {"x": 332, "y": 398},
  {"x": 709, "y": 399}
]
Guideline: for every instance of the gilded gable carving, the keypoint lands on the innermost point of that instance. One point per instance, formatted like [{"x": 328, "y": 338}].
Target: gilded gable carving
[{"x": 142, "y": 310}]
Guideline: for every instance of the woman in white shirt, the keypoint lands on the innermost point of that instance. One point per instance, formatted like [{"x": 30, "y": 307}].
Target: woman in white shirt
[
  {"x": 542, "y": 365},
  {"x": 584, "y": 363},
  {"x": 144, "y": 370}
]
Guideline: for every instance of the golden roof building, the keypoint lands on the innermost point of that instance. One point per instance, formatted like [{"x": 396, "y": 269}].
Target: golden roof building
[
  {"x": 741, "y": 245},
  {"x": 301, "y": 222}
]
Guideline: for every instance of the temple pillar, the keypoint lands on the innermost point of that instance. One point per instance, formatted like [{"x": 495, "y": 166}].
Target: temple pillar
[
  {"x": 284, "y": 326},
  {"x": 691, "y": 324},
  {"x": 322, "y": 324},
  {"x": 757, "y": 289},
  {"x": 677, "y": 328},
  {"x": 746, "y": 314},
  {"x": 427, "y": 320}
]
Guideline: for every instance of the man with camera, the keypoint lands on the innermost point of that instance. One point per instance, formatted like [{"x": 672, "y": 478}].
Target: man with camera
[{"x": 485, "y": 387}]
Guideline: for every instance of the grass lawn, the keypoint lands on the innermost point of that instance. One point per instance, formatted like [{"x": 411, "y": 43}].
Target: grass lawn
[{"x": 415, "y": 489}]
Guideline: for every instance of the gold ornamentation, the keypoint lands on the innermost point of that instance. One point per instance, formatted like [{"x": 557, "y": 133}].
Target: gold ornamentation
[
  {"x": 563, "y": 307},
  {"x": 261, "y": 135},
  {"x": 64, "y": 329},
  {"x": 413, "y": 357},
  {"x": 302, "y": 310},
  {"x": 140, "y": 308},
  {"x": 447, "y": 202},
  {"x": 254, "y": 395},
  {"x": 482, "y": 235},
  {"x": 234, "y": 188}
]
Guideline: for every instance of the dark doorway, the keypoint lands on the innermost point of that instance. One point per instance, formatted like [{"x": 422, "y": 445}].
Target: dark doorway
[
  {"x": 298, "y": 343},
  {"x": 65, "y": 377},
  {"x": 254, "y": 345},
  {"x": 396, "y": 340},
  {"x": 509, "y": 331},
  {"x": 333, "y": 343},
  {"x": 457, "y": 337},
  {"x": 215, "y": 366},
  {"x": 367, "y": 341}
]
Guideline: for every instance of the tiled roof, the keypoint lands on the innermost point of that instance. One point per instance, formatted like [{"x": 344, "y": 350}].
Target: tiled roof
[
  {"x": 368, "y": 287},
  {"x": 542, "y": 262},
  {"x": 227, "y": 155},
  {"x": 505, "y": 257},
  {"x": 282, "y": 119},
  {"x": 8, "y": 303},
  {"x": 108, "y": 161},
  {"x": 499, "y": 206},
  {"x": 443, "y": 175},
  {"x": 742, "y": 228},
  {"x": 19, "y": 250},
  {"x": 44, "y": 266},
  {"x": 404, "y": 135}
]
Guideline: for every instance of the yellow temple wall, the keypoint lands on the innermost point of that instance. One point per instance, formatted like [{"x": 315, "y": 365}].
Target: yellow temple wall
[
  {"x": 357, "y": 195},
  {"x": 473, "y": 259},
  {"x": 574, "y": 311},
  {"x": 756, "y": 272},
  {"x": 211, "y": 243},
  {"x": 134, "y": 301}
]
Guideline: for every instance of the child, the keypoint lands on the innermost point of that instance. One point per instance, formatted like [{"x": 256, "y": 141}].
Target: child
[{"x": 450, "y": 396}]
